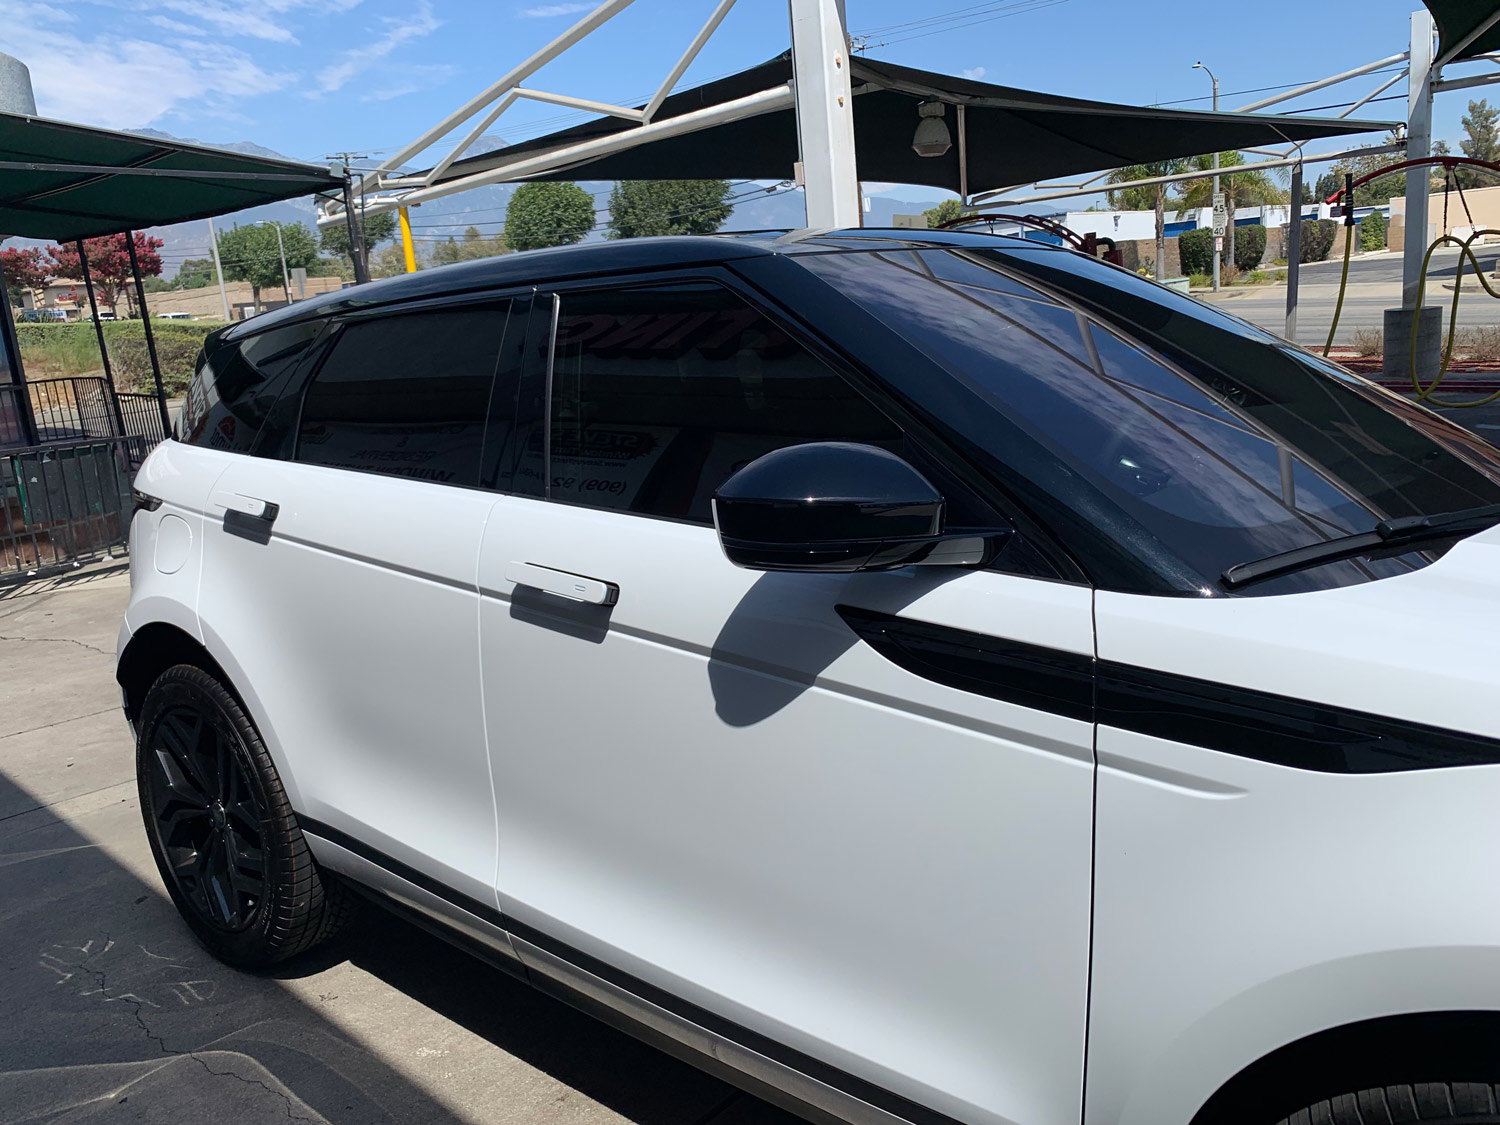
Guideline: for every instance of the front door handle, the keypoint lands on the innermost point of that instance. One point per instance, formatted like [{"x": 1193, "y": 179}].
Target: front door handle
[
  {"x": 575, "y": 587},
  {"x": 251, "y": 506}
]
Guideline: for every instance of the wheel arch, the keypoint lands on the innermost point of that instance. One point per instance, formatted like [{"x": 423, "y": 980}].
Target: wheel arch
[
  {"x": 1452, "y": 1046},
  {"x": 151, "y": 650}
]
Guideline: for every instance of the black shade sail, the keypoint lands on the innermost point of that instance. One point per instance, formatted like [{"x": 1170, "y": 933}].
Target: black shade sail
[
  {"x": 1458, "y": 19},
  {"x": 1013, "y": 136},
  {"x": 64, "y": 182}
]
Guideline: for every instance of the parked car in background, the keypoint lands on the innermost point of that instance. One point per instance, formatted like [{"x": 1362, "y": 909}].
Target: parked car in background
[{"x": 907, "y": 672}]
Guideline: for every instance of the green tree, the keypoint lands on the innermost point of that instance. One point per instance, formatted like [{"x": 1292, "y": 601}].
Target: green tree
[
  {"x": 390, "y": 261},
  {"x": 1372, "y": 232},
  {"x": 376, "y": 229},
  {"x": 1241, "y": 189},
  {"x": 944, "y": 212},
  {"x": 547, "y": 214},
  {"x": 1149, "y": 195},
  {"x": 1481, "y": 142},
  {"x": 472, "y": 246},
  {"x": 1377, "y": 192},
  {"x": 251, "y": 253},
  {"x": 195, "y": 273},
  {"x": 643, "y": 208}
]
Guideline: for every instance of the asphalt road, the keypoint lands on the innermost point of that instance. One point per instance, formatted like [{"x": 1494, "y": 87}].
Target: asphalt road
[
  {"x": 113, "y": 1012},
  {"x": 1374, "y": 286}
]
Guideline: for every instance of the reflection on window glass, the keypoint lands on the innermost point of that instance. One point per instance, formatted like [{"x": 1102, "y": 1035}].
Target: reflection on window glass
[
  {"x": 1221, "y": 470},
  {"x": 405, "y": 395},
  {"x": 236, "y": 387},
  {"x": 659, "y": 395}
]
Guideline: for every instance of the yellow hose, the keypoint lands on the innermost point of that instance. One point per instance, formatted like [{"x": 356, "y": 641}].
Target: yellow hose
[
  {"x": 1338, "y": 309},
  {"x": 1424, "y": 394}
]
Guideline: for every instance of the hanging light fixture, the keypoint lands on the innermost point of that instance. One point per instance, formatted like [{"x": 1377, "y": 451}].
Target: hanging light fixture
[{"x": 932, "y": 137}]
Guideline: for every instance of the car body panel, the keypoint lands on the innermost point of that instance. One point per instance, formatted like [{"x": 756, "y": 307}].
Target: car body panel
[{"x": 716, "y": 787}]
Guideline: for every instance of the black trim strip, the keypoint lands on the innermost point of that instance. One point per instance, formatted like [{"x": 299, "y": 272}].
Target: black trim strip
[
  {"x": 726, "y": 1029},
  {"x": 1254, "y": 724},
  {"x": 1044, "y": 679}
]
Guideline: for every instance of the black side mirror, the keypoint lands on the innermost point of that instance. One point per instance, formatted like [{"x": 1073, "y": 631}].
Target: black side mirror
[{"x": 834, "y": 506}]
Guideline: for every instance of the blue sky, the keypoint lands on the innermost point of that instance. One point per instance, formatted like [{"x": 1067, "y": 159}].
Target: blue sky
[{"x": 307, "y": 77}]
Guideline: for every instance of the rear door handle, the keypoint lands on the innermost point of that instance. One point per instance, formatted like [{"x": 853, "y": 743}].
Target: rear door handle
[
  {"x": 251, "y": 506},
  {"x": 575, "y": 587}
]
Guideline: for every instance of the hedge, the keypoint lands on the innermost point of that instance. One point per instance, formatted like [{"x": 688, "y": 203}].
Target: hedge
[
  {"x": 177, "y": 346},
  {"x": 1372, "y": 232},
  {"x": 1195, "y": 249},
  {"x": 1317, "y": 239},
  {"x": 1249, "y": 246}
]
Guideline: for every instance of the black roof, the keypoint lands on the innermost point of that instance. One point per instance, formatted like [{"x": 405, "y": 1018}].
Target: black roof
[
  {"x": 65, "y": 182},
  {"x": 603, "y": 259},
  {"x": 1014, "y": 136}
]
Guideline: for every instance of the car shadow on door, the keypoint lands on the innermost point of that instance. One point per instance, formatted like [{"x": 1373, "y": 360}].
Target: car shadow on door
[{"x": 785, "y": 633}]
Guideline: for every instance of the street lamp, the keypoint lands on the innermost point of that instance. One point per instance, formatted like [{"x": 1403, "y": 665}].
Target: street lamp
[
  {"x": 1200, "y": 66},
  {"x": 286, "y": 277}
]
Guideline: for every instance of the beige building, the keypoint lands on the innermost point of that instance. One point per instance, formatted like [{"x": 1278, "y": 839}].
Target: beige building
[{"x": 1483, "y": 213}]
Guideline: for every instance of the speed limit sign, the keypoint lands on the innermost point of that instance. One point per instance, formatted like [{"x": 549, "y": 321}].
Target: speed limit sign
[{"x": 1221, "y": 215}]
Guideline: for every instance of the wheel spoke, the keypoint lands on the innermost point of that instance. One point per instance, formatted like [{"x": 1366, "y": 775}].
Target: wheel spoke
[
  {"x": 180, "y": 744},
  {"x": 175, "y": 817}
]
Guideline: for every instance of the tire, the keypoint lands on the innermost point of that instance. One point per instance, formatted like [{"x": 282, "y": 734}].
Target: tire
[
  {"x": 223, "y": 833},
  {"x": 1433, "y": 1103}
]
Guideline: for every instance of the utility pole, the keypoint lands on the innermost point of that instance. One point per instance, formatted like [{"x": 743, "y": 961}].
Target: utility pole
[
  {"x": 825, "y": 113},
  {"x": 213, "y": 244},
  {"x": 286, "y": 277},
  {"x": 1218, "y": 238}
]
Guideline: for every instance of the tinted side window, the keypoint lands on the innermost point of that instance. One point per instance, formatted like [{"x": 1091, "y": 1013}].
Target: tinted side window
[
  {"x": 237, "y": 383},
  {"x": 406, "y": 395},
  {"x": 659, "y": 395}
]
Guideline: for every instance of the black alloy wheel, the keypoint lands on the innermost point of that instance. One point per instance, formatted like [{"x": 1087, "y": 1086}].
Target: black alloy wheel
[
  {"x": 222, "y": 830},
  {"x": 208, "y": 817}
]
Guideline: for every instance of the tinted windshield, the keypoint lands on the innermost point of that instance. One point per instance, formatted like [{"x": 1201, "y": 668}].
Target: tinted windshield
[{"x": 1221, "y": 441}]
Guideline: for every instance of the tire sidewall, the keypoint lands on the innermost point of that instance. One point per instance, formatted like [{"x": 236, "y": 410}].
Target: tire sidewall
[{"x": 187, "y": 686}]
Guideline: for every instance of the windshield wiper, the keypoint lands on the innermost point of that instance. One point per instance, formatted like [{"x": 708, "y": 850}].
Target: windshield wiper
[{"x": 1385, "y": 534}]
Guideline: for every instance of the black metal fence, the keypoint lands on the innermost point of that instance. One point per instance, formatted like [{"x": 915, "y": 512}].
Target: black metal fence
[
  {"x": 141, "y": 414},
  {"x": 65, "y": 502},
  {"x": 12, "y": 416},
  {"x": 72, "y": 408}
]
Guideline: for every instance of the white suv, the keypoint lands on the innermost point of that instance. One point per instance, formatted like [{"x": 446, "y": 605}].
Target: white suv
[{"x": 924, "y": 678}]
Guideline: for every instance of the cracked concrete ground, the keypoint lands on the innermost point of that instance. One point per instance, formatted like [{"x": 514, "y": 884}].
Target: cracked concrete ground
[{"x": 111, "y": 1012}]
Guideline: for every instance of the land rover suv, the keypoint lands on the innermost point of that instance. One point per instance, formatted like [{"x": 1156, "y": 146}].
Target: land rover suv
[{"x": 924, "y": 677}]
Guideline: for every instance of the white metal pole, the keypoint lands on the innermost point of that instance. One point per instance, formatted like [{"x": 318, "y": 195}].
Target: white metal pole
[
  {"x": 1218, "y": 251},
  {"x": 1418, "y": 145},
  {"x": 825, "y": 113},
  {"x": 213, "y": 244},
  {"x": 963, "y": 158}
]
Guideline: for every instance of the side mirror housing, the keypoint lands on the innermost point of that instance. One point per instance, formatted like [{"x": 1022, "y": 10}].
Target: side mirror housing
[{"x": 838, "y": 507}]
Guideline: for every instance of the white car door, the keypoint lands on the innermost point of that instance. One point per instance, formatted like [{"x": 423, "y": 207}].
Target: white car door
[
  {"x": 340, "y": 589},
  {"x": 850, "y": 814}
]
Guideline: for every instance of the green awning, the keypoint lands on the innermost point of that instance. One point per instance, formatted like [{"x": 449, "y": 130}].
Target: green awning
[
  {"x": 64, "y": 182},
  {"x": 1458, "y": 19}
]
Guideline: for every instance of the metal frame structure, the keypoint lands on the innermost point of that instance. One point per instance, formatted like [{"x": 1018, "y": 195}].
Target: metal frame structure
[
  {"x": 820, "y": 91},
  {"x": 1423, "y": 71}
]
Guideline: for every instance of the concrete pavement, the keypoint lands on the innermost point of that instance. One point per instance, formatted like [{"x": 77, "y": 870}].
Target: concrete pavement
[{"x": 113, "y": 1012}]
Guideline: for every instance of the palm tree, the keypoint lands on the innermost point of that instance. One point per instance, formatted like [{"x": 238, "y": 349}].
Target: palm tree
[
  {"x": 1250, "y": 188},
  {"x": 1135, "y": 198}
]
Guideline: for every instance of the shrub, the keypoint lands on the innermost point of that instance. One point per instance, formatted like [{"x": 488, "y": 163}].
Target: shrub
[
  {"x": 1195, "y": 248},
  {"x": 1249, "y": 246},
  {"x": 1281, "y": 275},
  {"x": 1317, "y": 239},
  {"x": 1228, "y": 274},
  {"x": 1259, "y": 277},
  {"x": 1481, "y": 344},
  {"x": 73, "y": 349},
  {"x": 1372, "y": 232},
  {"x": 1200, "y": 280},
  {"x": 1369, "y": 341}
]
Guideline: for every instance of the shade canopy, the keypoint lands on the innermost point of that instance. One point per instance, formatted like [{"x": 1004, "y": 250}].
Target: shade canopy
[
  {"x": 1458, "y": 19},
  {"x": 64, "y": 182},
  {"x": 1013, "y": 136}
]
